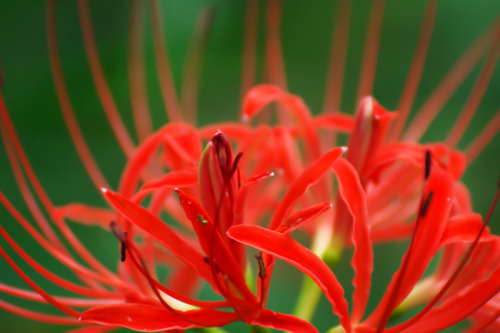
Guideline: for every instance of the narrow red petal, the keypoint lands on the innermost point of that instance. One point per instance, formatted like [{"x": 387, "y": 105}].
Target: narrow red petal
[
  {"x": 148, "y": 318},
  {"x": 427, "y": 239},
  {"x": 204, "y": 227},
  {"x": 463, "y": 228},
  {"x": 302, "y": 217},
  {"x": 146, "y": 221},
  {"x": 286, "y": 248},
  {"x": 283, "y": 322},
  {"x": 362, "y": 259},
  {"x": 309, "y": 177}
]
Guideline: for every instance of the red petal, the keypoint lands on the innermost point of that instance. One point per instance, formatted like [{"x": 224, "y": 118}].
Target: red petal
[
  {"x": 459, "y": 306},
  {"x": 302, "y": 217},
  {"x": 286, "y": 248},
  {"x": 148, "y": 318},
  {"x": 309, "y": 177},
  {"x": 362, "y": 259},
  {"x": 234, "y": 131},
  {"x": 335, "y": 120},
  {"x": 427, "y": 239},
  {"x": 158, "y": 229},
  {"x": 258, "y": 97},
  {"x": 94, "y": 329},
  {"x": 283, "y": 322},
  {"x": 171, "y": 179},
  {"x": 463, "y": 228},
  {"x": 226, "y": 261},
  {"x": 85, "y": 214}
]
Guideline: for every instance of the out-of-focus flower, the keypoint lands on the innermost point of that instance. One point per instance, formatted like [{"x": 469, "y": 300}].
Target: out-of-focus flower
[{"x": 389, "y": 187}]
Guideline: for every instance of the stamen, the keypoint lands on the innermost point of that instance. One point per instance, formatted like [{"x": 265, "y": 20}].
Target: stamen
[
  {"x": 137, "y": 73},
  {"x": 207, "y": 260},
  {"x": 141, "y": 266},
  {"x": 192, "y": 65},
  {"x": 34, "y": 286},
  {"x": 163, "y": 65},
  {"x": 262, "y": 266},
  {"x": 274, "y": 55},
  {"x": 477, "y": 93},
  {"x": 371, "y": 49},
  {"x": 70, "y": 286},
  {"x": 336, "y": 66},
  {"x": 428, "y": 161},
  {"x": 416, "y": 69},
  {"x": 447, "y": 87},
  {"x": 32, "y": 315},
  {"x": 64, "y": 102},
  {"x": 235, "y": 164},
  {"x": 482, "y": 140},
  {"x": 249, "y": 47},
  {"x": 101, "y": 85}
]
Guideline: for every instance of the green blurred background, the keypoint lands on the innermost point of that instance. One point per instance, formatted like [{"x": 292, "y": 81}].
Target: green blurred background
[{"x": 306, "y": 35}]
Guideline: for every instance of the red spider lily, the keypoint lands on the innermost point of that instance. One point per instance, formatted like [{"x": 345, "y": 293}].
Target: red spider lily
[
  {"x": 379, "y": 194},
  {"x": 223, "y": 199},
  {"x": 461, "y": 291}
]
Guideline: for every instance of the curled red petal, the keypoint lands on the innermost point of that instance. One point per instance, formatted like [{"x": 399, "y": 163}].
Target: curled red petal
[
  {"x": 283, "y": 322},
  {"x": 172, "y": 179},
  {"x": 426, "y": 241},
  {"x": 159, "y": 230},
  {"x": 148, "y": 318},
  {"x": 286, "y": 248},
  {"x": 362, "y": 259},
  {"x": 85, "y": 214},
  {"x": 302, "y": 217},
  {"x": 309, "y": 177},
  {"x": 463, "y": 228}
]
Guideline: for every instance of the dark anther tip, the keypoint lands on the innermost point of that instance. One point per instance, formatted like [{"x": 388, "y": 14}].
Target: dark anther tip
[
  {"x": 123, "y": 249},
  {"x": 262, "y": 266},
  {"x": 425, "y": 204},
  {"x": 428, "y": 160}
]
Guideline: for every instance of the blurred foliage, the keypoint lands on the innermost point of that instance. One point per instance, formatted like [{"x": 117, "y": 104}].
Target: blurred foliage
[{"x": 306, "y": 38}]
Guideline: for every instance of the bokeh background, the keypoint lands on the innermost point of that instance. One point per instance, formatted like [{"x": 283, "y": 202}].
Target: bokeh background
[{"x": 306, "y": 36}]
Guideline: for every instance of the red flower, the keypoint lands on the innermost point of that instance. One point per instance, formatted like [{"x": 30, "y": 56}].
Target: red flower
[
  {"x": 436, "y": 227},
  {"x": 216, "y": 208}
]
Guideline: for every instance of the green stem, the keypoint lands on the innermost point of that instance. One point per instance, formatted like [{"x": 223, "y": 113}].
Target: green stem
[{"x": 308, "y": 299}]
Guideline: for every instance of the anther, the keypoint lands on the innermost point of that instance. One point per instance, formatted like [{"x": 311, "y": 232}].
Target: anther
[
  {"x": 235, "y": 163},
  {"x": 425, "y": 205},
  {"x": 428, "y": 160},
  {"x": 262, "y": 266},
  {"x": 117, "y": 231},
  {"x": 202, "y": 220},
  {"x": 206, "y": 259},
  {"x": 123, "y": 249}
]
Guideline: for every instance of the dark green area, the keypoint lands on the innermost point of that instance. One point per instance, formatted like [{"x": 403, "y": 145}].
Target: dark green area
[{"x": 306, "y": 36}]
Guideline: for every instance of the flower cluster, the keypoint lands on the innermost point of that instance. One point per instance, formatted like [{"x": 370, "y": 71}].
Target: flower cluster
[{"x": 234, "y": 185}]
